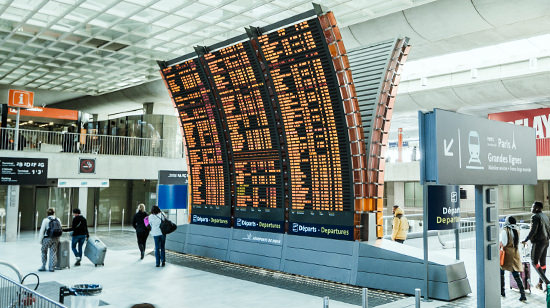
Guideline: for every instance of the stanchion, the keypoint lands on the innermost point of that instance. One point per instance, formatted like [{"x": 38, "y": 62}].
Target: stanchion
[
  {"x": 95, "y": 221},
  {"x": 19, "y": 225},
  {"x": 109, "y": 220},
  {"x": 417, "y": 297},
  {"x": 365, "y": 298},
  {"x": 122, "y": 226},
  {"x": 36, "y": 224},
  {"x": 2, "y": 226},
  {"x": 325, "y": 302}
]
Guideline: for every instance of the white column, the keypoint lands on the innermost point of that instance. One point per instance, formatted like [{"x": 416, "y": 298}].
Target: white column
[
  {"x": 12, "y": 213},
  {"x": 398, "y": 194},
  {"x": 83, "y": 200}
]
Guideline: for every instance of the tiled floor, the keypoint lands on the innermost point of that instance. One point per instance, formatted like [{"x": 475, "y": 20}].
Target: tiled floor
[{"x": 190, "y": 281}]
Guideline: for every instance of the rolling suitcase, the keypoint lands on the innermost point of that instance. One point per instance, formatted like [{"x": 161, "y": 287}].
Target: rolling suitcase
[
  {"x": 95, "y": 251},
  {"x": 526, "y": 274},
  {"x": 525, "y": 277},
  {"x": 63, "y": 254}
]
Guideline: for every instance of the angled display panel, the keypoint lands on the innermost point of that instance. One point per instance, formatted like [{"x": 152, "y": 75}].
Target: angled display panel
[
  {"x": 318, "y": 148},
  {"x": 207, "y": 160},
  {"x": 257, "y": 185}
]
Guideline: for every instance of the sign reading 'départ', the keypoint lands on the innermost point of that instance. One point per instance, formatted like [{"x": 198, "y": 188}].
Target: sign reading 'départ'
[
  {"x": 23, "y": 171},
  {"x": 463, "y": 149},
  {"x": 172, "y": 177},
  {"x": 443, "y": 207}
]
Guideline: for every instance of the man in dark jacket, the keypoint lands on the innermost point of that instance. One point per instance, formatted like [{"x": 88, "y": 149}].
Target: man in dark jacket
[
  {"x": 539, "y": 234},
  {"x": 79, "y": 227}
]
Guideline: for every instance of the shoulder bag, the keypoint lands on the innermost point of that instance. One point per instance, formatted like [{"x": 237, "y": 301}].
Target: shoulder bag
[{"x": 166, "y": 226}]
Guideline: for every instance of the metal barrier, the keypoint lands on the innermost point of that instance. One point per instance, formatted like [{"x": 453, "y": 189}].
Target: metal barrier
[
  {"x": 47, "y": 141},
  {"x": 15, "y": 295}
]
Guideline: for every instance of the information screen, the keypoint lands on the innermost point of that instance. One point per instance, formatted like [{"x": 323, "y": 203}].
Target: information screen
[
  {"x": 23, "y": 171},
  {"x": 209, "y": 176},
  {"x": 311, "y": 109},
  {"x": 249, "y": 120}
]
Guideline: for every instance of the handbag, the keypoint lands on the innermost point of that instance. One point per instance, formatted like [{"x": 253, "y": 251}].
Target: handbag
[
  {"x": 146, "y": 223},
  {"x": 166, "y": 226},
  {"x": 502, "y": 254}
]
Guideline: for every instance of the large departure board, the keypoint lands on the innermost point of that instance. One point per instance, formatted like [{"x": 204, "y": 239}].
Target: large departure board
[
  {"x": 275, "y": 136},
  {"x": 207, "y": 162},
  {"x": 316, "y": 134}
]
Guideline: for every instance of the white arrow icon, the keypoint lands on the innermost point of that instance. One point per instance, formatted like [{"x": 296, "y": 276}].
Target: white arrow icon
[{"x": 447, "y": 148}]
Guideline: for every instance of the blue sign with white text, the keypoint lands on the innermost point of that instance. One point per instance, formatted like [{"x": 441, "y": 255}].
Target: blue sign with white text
[{"x": 326, "y": 231}]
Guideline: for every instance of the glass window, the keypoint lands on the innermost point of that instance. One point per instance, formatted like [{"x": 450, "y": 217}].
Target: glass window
[
  {"x": 409, "y": 194},
  {"x": 113, "y": 198},
  {"x": 516, "y": 196},
  {"x": 418, "y": 194},
  {"x": 528, "y": 196}
]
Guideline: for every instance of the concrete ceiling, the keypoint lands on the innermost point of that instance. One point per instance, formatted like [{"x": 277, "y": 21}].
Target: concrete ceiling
[{"x": 102, "y": 46}]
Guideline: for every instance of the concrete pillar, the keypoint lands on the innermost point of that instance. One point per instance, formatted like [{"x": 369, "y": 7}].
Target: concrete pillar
[
  {"x": 398, "y": 194},
  {"x": 83, "y": 200},
  {"x": 12, "y": 213},
  {"x": 544, "y": 191}
]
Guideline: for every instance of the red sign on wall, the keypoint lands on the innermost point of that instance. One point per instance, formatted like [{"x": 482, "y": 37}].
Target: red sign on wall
[{"x": 537, "y": 118}]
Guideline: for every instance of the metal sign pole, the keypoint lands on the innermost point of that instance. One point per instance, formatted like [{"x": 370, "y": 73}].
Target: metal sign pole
[
  {"x": 425, "y": 242},
  {"x": 480, "y": 246},
  {"x": 16, "y": 138},
  {"x": 457, "y": 242}
]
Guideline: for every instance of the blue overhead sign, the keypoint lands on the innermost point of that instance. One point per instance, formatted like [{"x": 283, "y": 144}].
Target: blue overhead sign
[{"x": 461, "y": 149}]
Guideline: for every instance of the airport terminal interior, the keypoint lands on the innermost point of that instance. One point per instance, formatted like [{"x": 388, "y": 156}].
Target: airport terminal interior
[{"x": 274, "y": 153}]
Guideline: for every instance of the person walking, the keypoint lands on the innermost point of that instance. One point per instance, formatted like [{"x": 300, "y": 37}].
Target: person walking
[
  {"x": 538, "y": 235},
  {"x": 49, "y": 234},
  {"x": 400, "y": 225},
  {"x": 142, "y": 231},
  {"x": 155, "y": 219},
  {"x": 79, "y": 229},
  {"x": 509, "y": 240}
]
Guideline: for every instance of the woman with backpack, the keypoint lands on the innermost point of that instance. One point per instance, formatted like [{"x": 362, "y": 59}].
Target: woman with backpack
[
  {"x": 142, "y": 231},
  {"x": 509, "y": 241},
  {"x": 155, "y": 219},
  {"x": 49, "y": 234}
]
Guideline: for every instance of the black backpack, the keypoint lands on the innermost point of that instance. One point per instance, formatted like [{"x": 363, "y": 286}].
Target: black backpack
[{"x": 54, "y": 228}]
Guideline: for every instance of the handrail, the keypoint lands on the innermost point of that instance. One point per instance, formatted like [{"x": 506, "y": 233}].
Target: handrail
[
  {"x": 15, "y": 295},
  {"x": 13, "y": 267}
]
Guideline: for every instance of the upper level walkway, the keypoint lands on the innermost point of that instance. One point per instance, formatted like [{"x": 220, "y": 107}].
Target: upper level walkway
[{"x": 57, "y": 142}]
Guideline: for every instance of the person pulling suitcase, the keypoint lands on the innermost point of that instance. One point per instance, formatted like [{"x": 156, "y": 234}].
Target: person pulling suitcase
[
  {"x": 509, "y": 240},
  {"x": 79, "y": 229}
]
